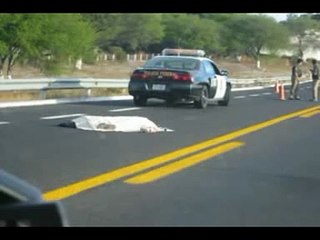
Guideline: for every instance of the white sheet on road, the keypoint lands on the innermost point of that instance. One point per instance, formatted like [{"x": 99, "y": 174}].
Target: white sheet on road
[{"x": 117, "y": 124}]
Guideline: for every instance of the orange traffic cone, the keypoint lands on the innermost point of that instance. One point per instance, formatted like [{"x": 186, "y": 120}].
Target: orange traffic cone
[
  {"x": 276, "y": 87},
  {"x": 282, "y": 93}
]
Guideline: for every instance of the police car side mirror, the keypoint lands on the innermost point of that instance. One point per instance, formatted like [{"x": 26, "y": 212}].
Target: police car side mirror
[
  {"x": 21, "y": 205},
  {"x": 224, "y": 72}
]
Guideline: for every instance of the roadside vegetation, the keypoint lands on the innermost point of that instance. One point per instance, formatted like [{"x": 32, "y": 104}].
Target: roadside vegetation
[
  {"x": 42, "y": 45},
  {"x": 53, "y": 43}
]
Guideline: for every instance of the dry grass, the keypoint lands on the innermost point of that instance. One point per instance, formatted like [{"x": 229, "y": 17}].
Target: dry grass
[
  {"x": 245, "y": 69},
  {"x": 51, "y": 94},
  {"x": 270, "y": 66},
  {"x": 19, "y": 95},
  {"x": 99, "y": 70}
]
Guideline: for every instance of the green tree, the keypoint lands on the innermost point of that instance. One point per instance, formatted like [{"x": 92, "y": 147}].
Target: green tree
[
  {"x": 107, "y": 27},
  {"x": 139, "y": 31},
  {"x": 220, "y": 17},
  {"x": 190, "y": 31},
  {"x": 251, "y": 34},
  {"x": 304, "y": 28},
  {"x": 132, "y": 32},
  {"x": 25, "y": 36}
]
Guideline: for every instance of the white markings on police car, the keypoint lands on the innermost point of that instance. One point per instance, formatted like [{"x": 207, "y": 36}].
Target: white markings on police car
[
  {"x": 124, "y": 109},
  {"x": 62, "y": 116}
]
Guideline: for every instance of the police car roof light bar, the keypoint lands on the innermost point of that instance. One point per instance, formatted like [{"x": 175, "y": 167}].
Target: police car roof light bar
[{"x": 182, "y": 52}]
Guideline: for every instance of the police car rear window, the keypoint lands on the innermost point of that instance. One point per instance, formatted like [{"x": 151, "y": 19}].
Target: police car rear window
[{"x": 173, "y": 63}]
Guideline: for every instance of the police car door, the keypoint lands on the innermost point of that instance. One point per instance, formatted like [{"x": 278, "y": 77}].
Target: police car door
[
  {"x": 211, "y": 78},
  {"x": 221, "y": 82}
]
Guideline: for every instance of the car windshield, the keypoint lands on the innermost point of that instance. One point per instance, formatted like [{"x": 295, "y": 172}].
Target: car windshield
[{"x": 173, "y": 63}]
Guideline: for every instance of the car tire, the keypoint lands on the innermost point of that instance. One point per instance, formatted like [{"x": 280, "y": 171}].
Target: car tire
[
  {"x": 140, "y": 100},
  {"x": 203, "y": 101},
  {"x": 226, "y": 98}
]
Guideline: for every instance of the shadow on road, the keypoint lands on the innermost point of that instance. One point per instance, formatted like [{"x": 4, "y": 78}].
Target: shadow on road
[{"x": 129, "y": 103}]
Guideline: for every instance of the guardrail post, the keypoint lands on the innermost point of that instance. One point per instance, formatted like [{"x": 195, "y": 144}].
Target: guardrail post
[
  {"x": 43, "y": 94},
  {"x": 88, "y": 92}
]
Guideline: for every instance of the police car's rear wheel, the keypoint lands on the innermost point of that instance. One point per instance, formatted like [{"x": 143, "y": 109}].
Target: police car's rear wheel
[
  {"x": 140, "y": 100},
  {"x": 203, "y": 102},
  {"x": 226, "y": 98}
]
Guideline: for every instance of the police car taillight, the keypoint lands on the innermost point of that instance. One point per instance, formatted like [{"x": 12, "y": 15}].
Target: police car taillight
[
  {"x": 182, "y": 77},
  {"x": 183, "y": 52},
  {"x": 139, "y": 75}
]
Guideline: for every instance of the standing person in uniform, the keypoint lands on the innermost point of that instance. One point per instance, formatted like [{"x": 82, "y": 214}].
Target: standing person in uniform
[
  {"x": 296, "y": 75},
  {"x": 315, "y": 80}
]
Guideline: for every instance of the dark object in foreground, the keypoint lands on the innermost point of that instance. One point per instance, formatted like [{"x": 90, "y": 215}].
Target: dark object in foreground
[{"x": 21, "y": 205}]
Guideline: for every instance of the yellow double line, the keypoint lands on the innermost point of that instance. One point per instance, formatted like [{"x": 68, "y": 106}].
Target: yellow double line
[
  {"x": 77, "y": 187},
  {"x": 310, "y": 114},
  {"x": 183, "y": 163}
]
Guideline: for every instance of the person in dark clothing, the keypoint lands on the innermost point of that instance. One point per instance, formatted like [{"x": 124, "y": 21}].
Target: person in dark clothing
[
  {"x": 296, "y": 75},
  {"x": 315, "y": 80}
]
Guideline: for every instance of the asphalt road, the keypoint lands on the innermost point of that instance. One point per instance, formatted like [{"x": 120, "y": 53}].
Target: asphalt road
[{"x": 253, "y": 163}]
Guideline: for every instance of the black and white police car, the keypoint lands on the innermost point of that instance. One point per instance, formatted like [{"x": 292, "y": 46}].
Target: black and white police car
[{"x": 180, "y": 74}]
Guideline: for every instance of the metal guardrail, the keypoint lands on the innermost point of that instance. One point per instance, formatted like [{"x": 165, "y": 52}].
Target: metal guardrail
[
  {"x": 253, "y": 82},
  {"x": 88, "y": 83},
  {"x": 61, "y": 83}
]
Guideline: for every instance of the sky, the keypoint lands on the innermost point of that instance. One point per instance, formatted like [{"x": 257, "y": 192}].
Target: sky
[{"x": 278, "y": 16}]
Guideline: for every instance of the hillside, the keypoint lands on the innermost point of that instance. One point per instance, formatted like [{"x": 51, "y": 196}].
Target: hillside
[{"x": 108, "y": 69}]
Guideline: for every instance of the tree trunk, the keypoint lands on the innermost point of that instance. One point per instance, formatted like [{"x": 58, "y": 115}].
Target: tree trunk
[
  {"x": 14, "y": 53},
  {"x": 79, "y": 64},
  {"x": 300, "y": 50},
  {"x": 9, "y": 68},
  {"x": 10, "y": 65},
  {"x": 258, "y": 64},
  {"x": 2, "y": 62},
  {"x": 1, "y": 72}
]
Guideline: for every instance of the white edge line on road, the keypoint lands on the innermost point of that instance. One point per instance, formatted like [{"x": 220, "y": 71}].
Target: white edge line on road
[
  {"x": 124, "y": 109},
  {"x": 62, "y": 116},
  {"x": 2, "y": 123},
  {"x": 239, "y": 97},
  {"x": 267, "y": 93},
  {"x": 254, "y": 95},
  {"x": 61, "y": 101},
  {"x": 99, "y": 99}
]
